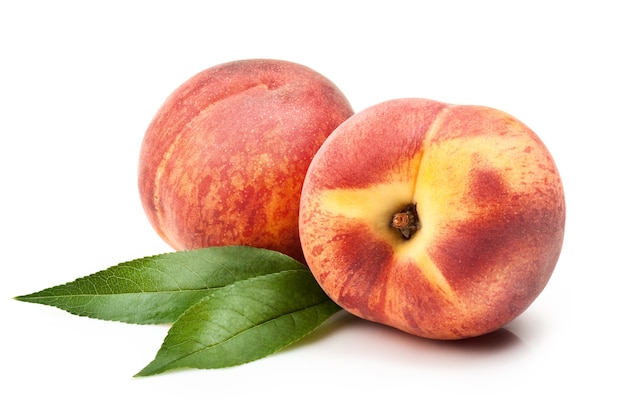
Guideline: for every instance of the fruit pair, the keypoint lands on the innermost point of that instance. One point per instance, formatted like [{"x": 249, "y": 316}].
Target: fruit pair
[{"x": 443, "y": 221}]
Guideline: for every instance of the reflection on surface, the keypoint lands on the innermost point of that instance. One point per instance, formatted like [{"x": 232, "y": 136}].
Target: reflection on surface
[
  {"x": 499, "y": 340},
  {"x": 347, "y": 335}
]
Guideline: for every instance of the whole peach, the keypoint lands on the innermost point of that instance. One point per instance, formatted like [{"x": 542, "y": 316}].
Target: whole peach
[
  {"x": 223, "y": 160},
  {"x": 443, "y": 221}
]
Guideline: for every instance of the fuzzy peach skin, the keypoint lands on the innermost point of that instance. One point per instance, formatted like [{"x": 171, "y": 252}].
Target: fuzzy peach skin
[
  {"x": 489, "y": 201},
  {"x": 223, "y": 160}
]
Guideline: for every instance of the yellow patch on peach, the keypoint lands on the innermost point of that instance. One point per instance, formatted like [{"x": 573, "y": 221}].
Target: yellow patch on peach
[
  {"x": 374, "y": 207},
  {"x": 377, "y": 203}
]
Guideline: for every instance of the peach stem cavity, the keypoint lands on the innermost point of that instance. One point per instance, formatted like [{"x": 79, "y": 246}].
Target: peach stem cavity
[{"x": 406, "y": 221}]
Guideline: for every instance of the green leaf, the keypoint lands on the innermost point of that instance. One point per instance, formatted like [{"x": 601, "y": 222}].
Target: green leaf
[
  {"x": 243, "y": 322},
  {"x": 158, "y": 289}
]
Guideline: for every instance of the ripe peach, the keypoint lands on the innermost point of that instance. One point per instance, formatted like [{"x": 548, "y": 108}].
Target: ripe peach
[
  {"x": 443, "y": 221},
  {"x": 223, "y": 160}
]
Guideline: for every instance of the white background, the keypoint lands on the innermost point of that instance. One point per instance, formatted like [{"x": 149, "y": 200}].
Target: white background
[{"x": 80, "y": 81}]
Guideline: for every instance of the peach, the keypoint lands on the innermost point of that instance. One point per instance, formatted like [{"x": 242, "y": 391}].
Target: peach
[
  {"x": 441, "y": 220},
  {"x": 223, "y": 160}
]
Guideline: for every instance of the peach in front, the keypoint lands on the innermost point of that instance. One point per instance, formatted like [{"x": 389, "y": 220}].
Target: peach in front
[{"x": 441, "y": 220}]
